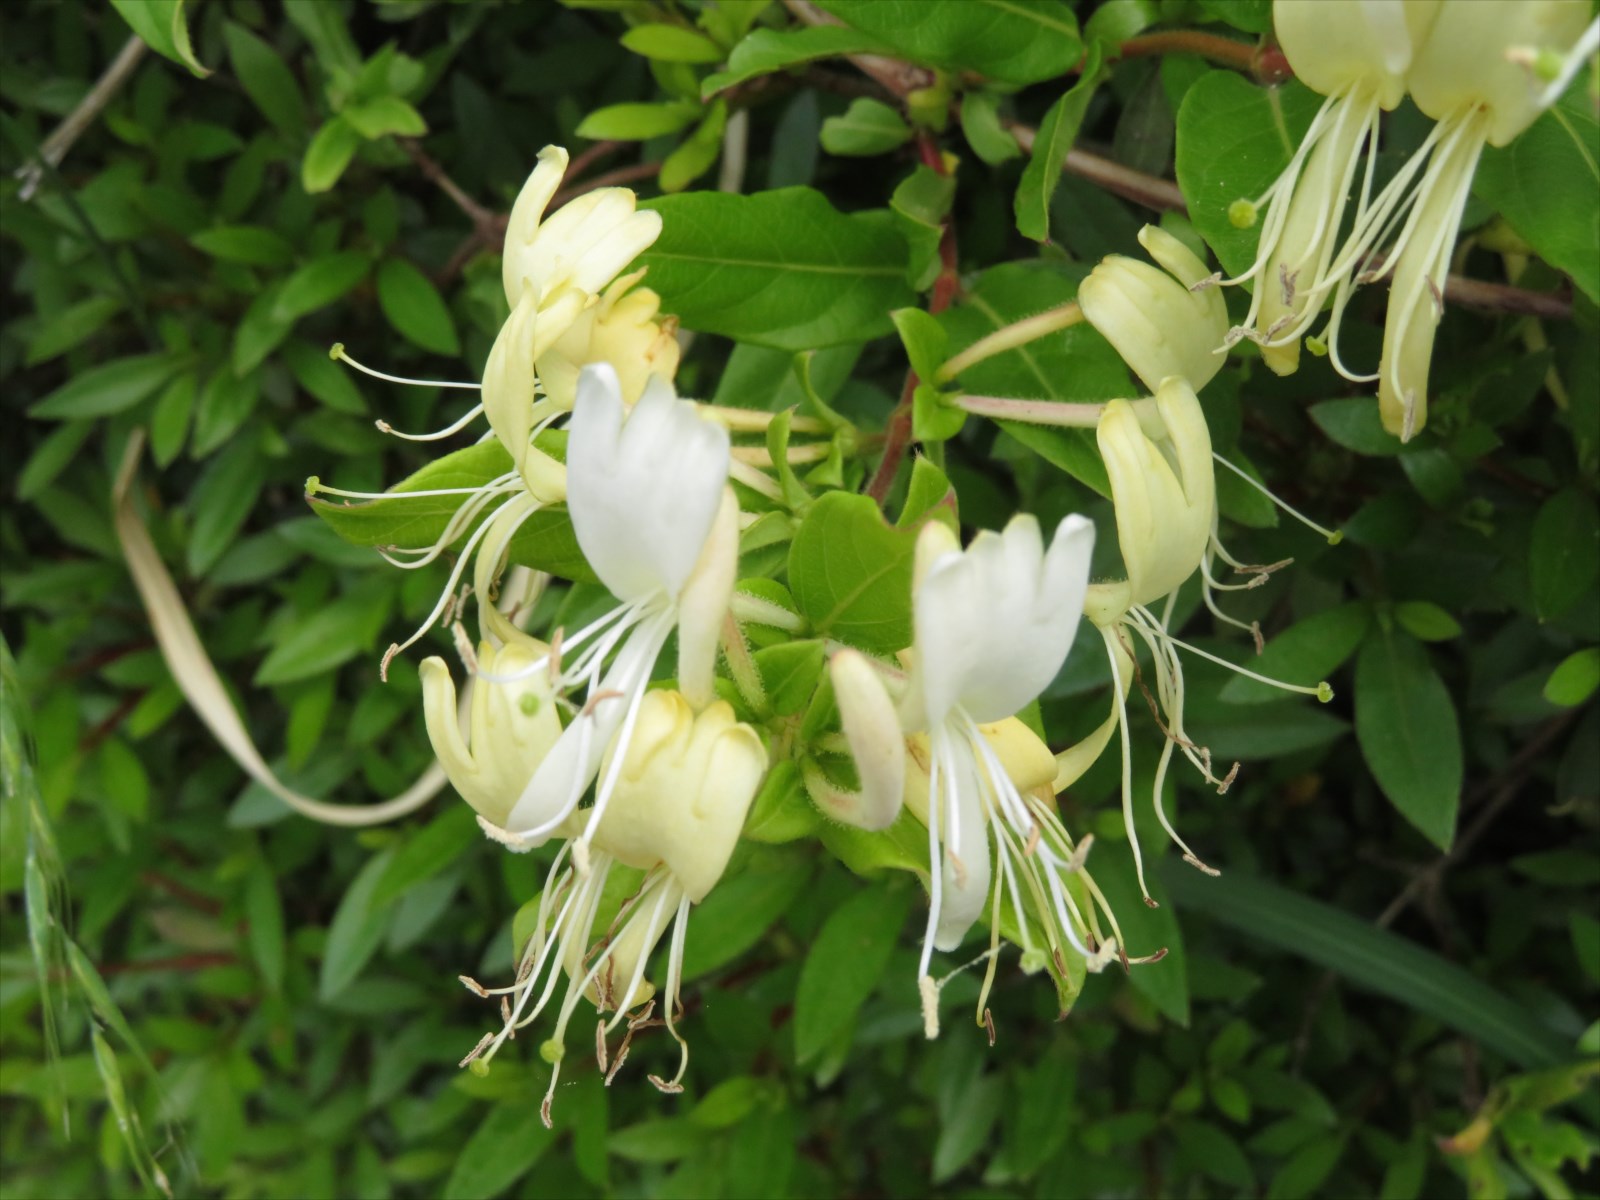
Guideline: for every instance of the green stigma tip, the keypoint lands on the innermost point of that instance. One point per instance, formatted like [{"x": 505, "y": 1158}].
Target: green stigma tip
[
  {"x": 1324, "y": 692},
  {"x": 552, "y": 1051},
  {"x": 1336, "y": 537},
  {"x": 529, "y": 704},
  {"x": 1033, "y": 961},
  {"x": 1317, "y": 346},
  {"x": 1241, "y": 214},
  {"x": 479, "y": 1067},
  {"x": 336, "y": 351},
  {"x": 313, "y": 485}
]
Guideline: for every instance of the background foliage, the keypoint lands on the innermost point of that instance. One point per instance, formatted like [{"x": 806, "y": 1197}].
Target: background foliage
[{"x": 201, "y": 992}]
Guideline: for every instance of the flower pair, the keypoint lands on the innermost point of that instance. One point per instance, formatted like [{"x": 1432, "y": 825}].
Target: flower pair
[{"x": 1465, "y": 65}]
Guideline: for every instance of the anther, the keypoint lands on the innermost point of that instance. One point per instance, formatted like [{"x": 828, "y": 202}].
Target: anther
[
  {"x": 667, "y": 1086},
  {"x": 1200, "y": 866},
  {"x": 483, "y": 1044},
  {"x": 988, "y": 1025},
  {"x": 473, "y": 986}
]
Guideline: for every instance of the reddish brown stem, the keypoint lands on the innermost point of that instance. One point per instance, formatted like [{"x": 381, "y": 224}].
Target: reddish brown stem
[{"x": 1219, "y": 49}]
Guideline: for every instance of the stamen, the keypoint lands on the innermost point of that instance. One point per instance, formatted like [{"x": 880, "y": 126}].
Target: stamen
[
  {"x": 338, "y": 354},
  {"x": 456, "y": 426},
  {"x": 1333, "y": 536}
]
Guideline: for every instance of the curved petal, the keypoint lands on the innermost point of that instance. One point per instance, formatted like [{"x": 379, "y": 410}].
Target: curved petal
[
  {"x": 704, "y": 604},
  {"x": 966, "y": 870},
  {"x": 877, "y": 744},
  {"x": 523, "y": 224}
]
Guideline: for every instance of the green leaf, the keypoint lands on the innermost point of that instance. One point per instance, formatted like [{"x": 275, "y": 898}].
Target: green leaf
[
  {"x": 160, "y": 25},
  {"x": 333, "y": 634},
  {"x": 1057, "y": 132},
  {"x": 1426, "y": 621},
  {"x": 1369, "y": 957},
  {"x": 1148, "y": 930},
  {"x": 867, "y": 127},
  {"x": 1307, "y": 1167},
  {"x": 169, "y": 424},
  {"x": 356, "y": 930},
  {"x": 382, "y": 116},
  {"x": 638, "y": 122},
  {"x": 980, "y": 121},
  {"x": 844, "y": 964},
  {"x": 1233, "y": 140},
  {"x": 51, "y": 457},
  {"x": 415, "y": 309},
  {"x": 319, "y": 283},
  {"x": 1004, "y": 40},
  {"x": 1354, "y": 423},
  {"x": 1213, "y": 1152},
  {"x": 249, "y": 244},
  {"x": 264, "y": 924},
  {"x": 330, "y": 152},
  {"x": 1543, "y": 184},
  {"x": 1564, "y": 554},
  {"x": 790, "y": 672},
  {"x": 764, "y": 51},
  {"x": 740, "y": 910},
  {"x": 259, "y": 332},
  {"x": 323, "y": 378},
  {"x": 1251, "y": 16},
  {"x": 671, "y": 43},
  {"x": 508, "y": 1141},
  {"x": 109, "y": 388},
  {"x": 267, "y": 80},
  {"x": 1406, "y": 726},
  {"x": 69, "y": 327},
  {"x": 1576, "y": 679},
  {"x": 851, "y": 573},
  {"x": 1306, "y": 654},
  {"x": 929, "y": 492},
  {"x": 696, "y": 153},
  {"x": 920, "y": 203},
  {"x": 1077, "y": 365},
  {"x": 782, "y": 268}
]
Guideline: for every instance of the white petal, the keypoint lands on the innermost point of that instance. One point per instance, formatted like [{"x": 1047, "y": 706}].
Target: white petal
[
  {"x": 966, "y": 869},
  {"x": 642, "y": 492},
  {"x": 994, "y": 624}
]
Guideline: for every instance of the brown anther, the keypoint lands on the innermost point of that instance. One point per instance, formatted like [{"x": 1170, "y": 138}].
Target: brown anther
[
  {"x": 505, "y": 1014},
  {"x": 473, "y": 986},
  {"x": 988, "y": 1025},
  {"x": 483, "y": 1044},
  {"x": 1153, "y": 958},
  {"x": 1200, "y": 866},
  {"x": 1286, "y": 282},
  {"x": 1123, "y": 956},
  {"x": 601, "y": 1054},
  {"x": 388, "y": 657},
  {"x": 1209, "y": 281},
  {"x": 555, "y": 656},
  {"x": 1227, "y": 781},
  {"x": 670, "y": 1086},
  {"x": 622, "y": 1057},
  {"x": 544, "y": 1114},
  {"x": 383, "y": 426},
  {"x": 1150, "y": 903},
  {"x": 1033, "y": 841}
]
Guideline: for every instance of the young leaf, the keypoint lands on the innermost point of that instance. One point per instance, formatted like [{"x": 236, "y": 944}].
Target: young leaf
[
  {"x": 671, "y": 43},
  {"x": 867, "y": 127},
  {"x": 160, "y": 25},
  {"x": 767, "y": 50},
  {"x": 267, "y": 80},
  {"x": 1057, "y": 132},
  {"x": 328, "y": 155},
  {"x": 999, "y": 39}
]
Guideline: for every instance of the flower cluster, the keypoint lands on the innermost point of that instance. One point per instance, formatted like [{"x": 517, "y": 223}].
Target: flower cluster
[
  {"x": 643, "y": 765},
  {"x": 1482, "y": 71}
]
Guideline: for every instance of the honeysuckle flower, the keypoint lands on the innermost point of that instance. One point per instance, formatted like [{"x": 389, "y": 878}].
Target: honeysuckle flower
[
  {"x": 648, "y": 497},
  {"x": 511, "y": 728},
  {"x": 1162, "y": 321},
  {"x": 683, "y": 784},
  {"x": 1357, "y": 55},
  {"x": 1471, "y": 79},
  {"x": 877, "y": 745},
  {"x": 625, "y": 329},
  {"x": 993, "y": 625},
  {"x": 1158, "y": 458}
]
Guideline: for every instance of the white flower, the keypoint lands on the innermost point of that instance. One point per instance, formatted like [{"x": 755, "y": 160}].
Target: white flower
[
  {"x": 1162, "y": 322},
  {"x": 1357, "y": 55},
  {"x": 683, "y": 785},
  {"x": 993, "y": 626},
  {"x": 648, "y": 497}
]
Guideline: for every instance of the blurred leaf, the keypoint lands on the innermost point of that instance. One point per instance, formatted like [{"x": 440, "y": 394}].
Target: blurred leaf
[
  {"x": 1406, "y": 725},
  {"x": 415, "y": 309},
  {"x": 1304, "y": 654},
  {"x": 764, "y": 51},
  {"x": 382, "y": 116},
  {"x": 1009, "y": 42},
  {"x": 1369, "y": 957},
  {"x": 249, "y": 244},
  {"x": 671, "y": 43},
  {"x": 160, "y": 25},
  {"x": 1354, "y": 423},
  {"x": 504, "y": 1147},
  {"x": 108, "y": 388},
  {"x": 264, "y": 924},
  {"x": 867, "y": 127},
  {"x": 333, "y": 634},
  {"x": 739, "y": 911},
  {"x": 844, "y": 964},
  {"x": 1564, "y": 555},
  {"x": 319, "y": 283},
  {"x": 71, "y": 327},
  {"x": 267, "y": 80},
  {"x": 222, "y": 501},
  {"x": 330, "y": 152},
  {"x": 356, "y": 931},
  {"x": 638, "y": 122},
  {"x": 1576, "y": 679}
]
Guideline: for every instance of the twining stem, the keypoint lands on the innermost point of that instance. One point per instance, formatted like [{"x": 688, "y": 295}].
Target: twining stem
[{"x": 1019, "y": 333}]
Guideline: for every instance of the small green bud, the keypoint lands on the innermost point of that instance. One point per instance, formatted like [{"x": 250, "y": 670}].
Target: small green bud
[
  {"x": 552, "y": 1051},
  {"x": 1242, "y": 214},
  {"x": 1324, "y": 692}
]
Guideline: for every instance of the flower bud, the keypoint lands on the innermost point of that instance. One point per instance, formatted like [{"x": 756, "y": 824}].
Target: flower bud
[
  {"x": 1155, "y": 320},
  {"x": 1470, "y": 59},
  {"x": 1163, "y": 486},
  {"x": 867, "y": 716},
  {"x": 1369, "y": 45},
  {"x": 684, "y": 787},
  {"x": 512, "y": 726}
]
